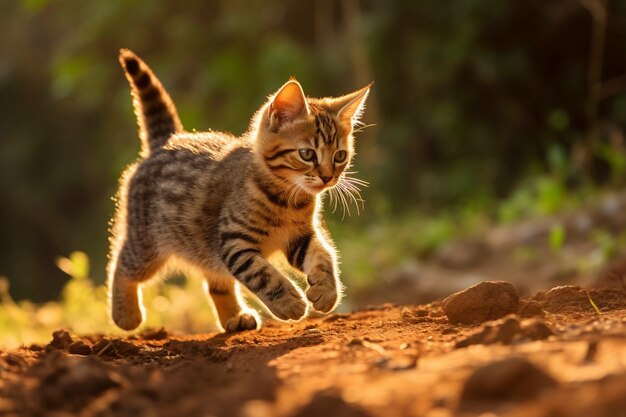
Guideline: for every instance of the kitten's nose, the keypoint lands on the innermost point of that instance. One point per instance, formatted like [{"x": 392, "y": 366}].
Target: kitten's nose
[{"x": 325, "y": 180}]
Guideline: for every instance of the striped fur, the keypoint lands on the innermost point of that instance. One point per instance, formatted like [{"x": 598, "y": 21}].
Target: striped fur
[
  {"x": 155, "y": 111},
  {"x": 224, "y": 204}
]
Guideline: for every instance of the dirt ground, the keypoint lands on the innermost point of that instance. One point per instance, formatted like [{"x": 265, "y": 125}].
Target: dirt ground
[{"x": 555, "y": 356}]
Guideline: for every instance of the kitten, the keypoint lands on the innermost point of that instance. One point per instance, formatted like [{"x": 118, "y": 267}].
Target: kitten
[{"x": 224, "y": 204}]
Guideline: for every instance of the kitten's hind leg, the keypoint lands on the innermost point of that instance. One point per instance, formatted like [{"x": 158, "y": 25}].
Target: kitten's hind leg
[
  {"x": 233, "y": 314},
  {"x": 132, "y": 265}
]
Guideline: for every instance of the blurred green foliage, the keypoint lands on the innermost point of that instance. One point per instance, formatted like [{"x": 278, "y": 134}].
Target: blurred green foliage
[
  {"x": 82, "y": 308},
  {"x": 480, "y": 106},
  {"x": 557, "y": 237}
]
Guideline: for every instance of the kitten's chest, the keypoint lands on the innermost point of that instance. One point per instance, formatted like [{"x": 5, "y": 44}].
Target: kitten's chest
[{"x": 283, "y": 231}]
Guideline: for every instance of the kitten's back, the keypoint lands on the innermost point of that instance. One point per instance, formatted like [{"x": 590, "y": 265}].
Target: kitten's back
[{"x": 177, "y": 194}]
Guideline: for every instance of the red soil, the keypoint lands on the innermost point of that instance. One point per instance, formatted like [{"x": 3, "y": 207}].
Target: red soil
[{"x": 556, "y": 357}]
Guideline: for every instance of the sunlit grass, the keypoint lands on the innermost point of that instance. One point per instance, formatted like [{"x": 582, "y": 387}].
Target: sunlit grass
[{"x": 83, "y": 308}]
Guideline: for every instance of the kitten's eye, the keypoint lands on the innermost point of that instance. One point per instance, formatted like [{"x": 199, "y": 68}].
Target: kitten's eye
[
  {"x": 340, "y": 156},
  {"x": 307, "y": 154}
]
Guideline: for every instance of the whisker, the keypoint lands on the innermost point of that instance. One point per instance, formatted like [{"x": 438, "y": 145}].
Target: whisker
[
  {"x": 351, "y": 196},
  {"x": 331, "y": 198},
  {"x": 344, "y": 203},
  {"x": 354, "y": 184},
  {"x": 361, "y": 127},
  {"x": 349, "y": 187},
  {"x": 355, "y": 180},
  {"x": 336, "y": 193},
  {"x": 353, "y": 188},
  {"x": 344, "y": 193},
  {"x": 335, "y": 199}
]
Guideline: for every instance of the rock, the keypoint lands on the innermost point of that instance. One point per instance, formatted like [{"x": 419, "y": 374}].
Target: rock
[
  {"x": 509, "y": 379},
  {"x": 488, "y": 300}
]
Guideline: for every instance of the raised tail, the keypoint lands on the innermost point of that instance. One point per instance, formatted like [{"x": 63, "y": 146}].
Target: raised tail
[{"x": 156, "y": 114}]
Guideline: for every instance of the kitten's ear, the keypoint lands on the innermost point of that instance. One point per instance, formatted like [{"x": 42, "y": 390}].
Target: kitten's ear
[
  {"x": 288, "y": 104},
  {"x": 349, "y": 108}
]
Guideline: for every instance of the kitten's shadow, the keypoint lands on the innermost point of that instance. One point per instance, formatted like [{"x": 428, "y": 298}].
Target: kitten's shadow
[{"x": 227, "y": 374}]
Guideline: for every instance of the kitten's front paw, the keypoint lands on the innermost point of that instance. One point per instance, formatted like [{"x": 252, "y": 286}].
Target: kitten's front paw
[
  {"x": 241, "y": 322},
  {"x": 289, "y": 306},
  {"x": 323, "y": 296},
  {"x": 127, "y": 317},
  {"x": 125, "y": 310}
]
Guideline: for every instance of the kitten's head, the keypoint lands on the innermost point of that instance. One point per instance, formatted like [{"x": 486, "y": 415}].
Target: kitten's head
[{"x": 307, "y": 143}]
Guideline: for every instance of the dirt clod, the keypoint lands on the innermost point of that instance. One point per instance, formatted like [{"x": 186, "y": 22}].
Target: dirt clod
[
  {"x": 114, "y": 348},
  {"x": 530, "y": 309},
  {"x": 61, "y": 339},
  {"x": 510, "y": 379},
  {"x": 509, "y": 329},
  {"x": 154, "y": 334},
  {"x": 323, "y": 402},
  {"x": 502, "y": 331},
  {"x": 71, "y": 383},
  {"x": 79, "y": 348},
  {"x": 570, "y": 299},
  {"x": 485, "y": 301},
  {"x": 12, "y": 362},
  {"x": 536, "y": 329}
]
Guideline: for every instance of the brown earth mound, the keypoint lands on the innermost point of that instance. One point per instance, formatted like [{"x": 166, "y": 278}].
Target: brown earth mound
[{"x": 566, "y": 360}]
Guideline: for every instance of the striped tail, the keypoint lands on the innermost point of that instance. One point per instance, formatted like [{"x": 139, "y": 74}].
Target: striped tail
[{"x": 155, "y": 111}]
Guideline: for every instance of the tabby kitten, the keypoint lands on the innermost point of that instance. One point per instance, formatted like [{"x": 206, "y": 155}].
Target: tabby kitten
[{"x": 224, "y": 204}]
